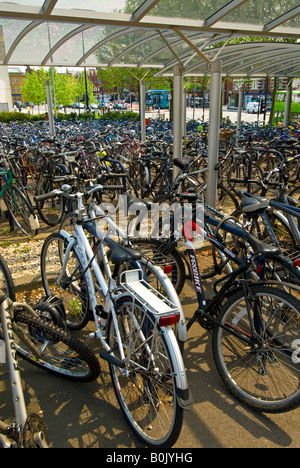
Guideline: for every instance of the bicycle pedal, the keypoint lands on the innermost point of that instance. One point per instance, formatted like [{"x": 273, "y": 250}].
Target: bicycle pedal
[{"x": 112, "y": 360}]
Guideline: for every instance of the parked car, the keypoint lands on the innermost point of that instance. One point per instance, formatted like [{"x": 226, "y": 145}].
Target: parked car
[
  {"x": 119, "y": 107},
  {"x": 18, "y": 104},
  {"x": 252, "y": 107},
  {"x": 77, "y": 105},
  {"x": 26, "y": 104}
]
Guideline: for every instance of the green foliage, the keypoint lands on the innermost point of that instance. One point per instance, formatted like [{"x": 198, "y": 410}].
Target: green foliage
[
  {"x": 120, "y": 116},
  {"x": 67, "y": 87},
  {"x": 6, "y": 117},
  {"x": 20, "y": 117}
]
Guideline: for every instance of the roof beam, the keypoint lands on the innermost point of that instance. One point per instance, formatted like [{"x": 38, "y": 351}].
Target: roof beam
[
  {"x": 282, "y": 19},
  {"x": 189, "y": 43},
  {"x": 223, "y": 12},
  {"x": 143, "y": 10},
  {"x": 48, "y": 7}
]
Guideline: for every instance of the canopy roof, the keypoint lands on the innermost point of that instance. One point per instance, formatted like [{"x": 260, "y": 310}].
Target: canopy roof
[{"x": 152, "y": 33}]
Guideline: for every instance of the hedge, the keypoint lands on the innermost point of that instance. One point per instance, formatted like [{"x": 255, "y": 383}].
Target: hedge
[{"x": 24, "y": 117}]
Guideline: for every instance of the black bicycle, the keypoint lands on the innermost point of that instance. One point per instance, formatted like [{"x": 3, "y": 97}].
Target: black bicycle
[{"x": 255, "y": 323}]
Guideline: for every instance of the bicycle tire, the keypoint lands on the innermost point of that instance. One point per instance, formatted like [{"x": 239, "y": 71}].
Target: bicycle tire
[
  {"x": 61, "y": 353},
  {"x": 74, "y": 295},
  {"x": 51, "y": 211},
  {"x": 171, "y": 263},
  {"x": 20, "y": 210},
  {"x": 6, "y": 279},
  {"x": 264, "y": 378},
  {"x": 147, "y": 395}
]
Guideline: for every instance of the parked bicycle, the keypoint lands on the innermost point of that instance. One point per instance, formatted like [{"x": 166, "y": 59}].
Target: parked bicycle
[{"x": 133, "y": 323}]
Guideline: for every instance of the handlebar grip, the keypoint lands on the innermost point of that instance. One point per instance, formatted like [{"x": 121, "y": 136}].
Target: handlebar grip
[
  {"x": 114, "y": 187},
  {"x": 45, "y": 196}
]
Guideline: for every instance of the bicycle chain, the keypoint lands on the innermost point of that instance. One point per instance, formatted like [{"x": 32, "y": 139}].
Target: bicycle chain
[{"x": 33, "y": 425}]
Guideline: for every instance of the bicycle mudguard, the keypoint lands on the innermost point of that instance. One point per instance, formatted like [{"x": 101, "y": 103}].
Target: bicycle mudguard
[{"x": 171, "y": 292}]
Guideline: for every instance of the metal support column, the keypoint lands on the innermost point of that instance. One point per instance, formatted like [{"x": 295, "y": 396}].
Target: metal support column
[
  {"x": 287, "y": 104},
  {"x": 177, "y": 114},
  {"x": 50, "y": 107},
  {"x": 184, "y": 97},
  {"x": 143, "y": 110},
  {"x": 213, "y": 135},
  {"x": 239, "y": 114}
]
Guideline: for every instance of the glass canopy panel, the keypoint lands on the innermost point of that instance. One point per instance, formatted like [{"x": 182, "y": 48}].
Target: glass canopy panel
[
  {"x": 118, "y": 47},
  {"x": 74, "y": 48},
  {"x": 101, "y": 6},
  {"x": 40, "y": 39},
  {"x": 260, "y": 12},
  {"x": 33, "y": 48},
  {"x": 10, "y": 29},
  {"x": 36, "y": 3},
  {"x": 189, "y": 9},
  {"x": 293, "y": 23}
]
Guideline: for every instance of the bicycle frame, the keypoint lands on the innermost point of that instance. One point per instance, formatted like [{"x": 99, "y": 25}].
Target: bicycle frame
[
  {"x": 111, "y": 292},
  {"x": 205, "y": 309},
  {"x": 15, "y": 381},
  {"x": 7, "y": 186},
  {"x": 96, "y": 212}
]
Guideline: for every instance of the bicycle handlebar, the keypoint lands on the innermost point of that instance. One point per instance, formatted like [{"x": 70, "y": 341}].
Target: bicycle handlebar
[{"x": 57, "y": 192}]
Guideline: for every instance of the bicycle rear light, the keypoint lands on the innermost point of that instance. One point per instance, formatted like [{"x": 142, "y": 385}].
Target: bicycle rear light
[
  {"x": 170, "y": 320},
  {"x": 296, "y": 263},
  {"x": 168, "y": 269}
]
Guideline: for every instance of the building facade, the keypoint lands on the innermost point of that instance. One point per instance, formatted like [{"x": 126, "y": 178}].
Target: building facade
[{"x": 16, "y": 79}]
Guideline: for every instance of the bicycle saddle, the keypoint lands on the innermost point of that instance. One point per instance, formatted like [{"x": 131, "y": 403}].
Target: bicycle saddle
[
  {"x": 131, "y": 199},
  {"x": 120, "y": 254},
  {"x": 182, "y": 163},
  {"x": 251, "y": 203},
  {"x": 260, "y": 247}
]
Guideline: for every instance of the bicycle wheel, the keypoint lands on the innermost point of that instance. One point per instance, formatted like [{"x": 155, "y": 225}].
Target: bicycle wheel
[
  {"x": 6, "y": 280},
  {"x": 54, "y": 350},
  {"x": 139, "y": 173},
  {"x": 74, "y": 293},
  {"x": 263, "y": 373},
  {"x": 21, "y": 211},
  {"x": 171, "y": 263},
  {"x": 51, "y": 211},
  {"x": 147, "y": 391}
]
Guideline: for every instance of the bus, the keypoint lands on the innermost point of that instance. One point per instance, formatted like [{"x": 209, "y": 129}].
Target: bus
[
  {"x": 158, "y": 98},
  {"x": 280, "y": 102}
]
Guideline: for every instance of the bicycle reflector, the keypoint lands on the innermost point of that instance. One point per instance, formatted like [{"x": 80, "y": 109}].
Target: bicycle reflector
[
  {"x": 168, "y": 269},
  {"x": 169, "y": 320},
  {"x": 296, "y": 263}
]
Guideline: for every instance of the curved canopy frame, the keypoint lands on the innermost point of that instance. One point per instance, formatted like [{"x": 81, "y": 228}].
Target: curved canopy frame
[
  {"x": 150, "y": 33},
  {"x": 179, "y": 38}
]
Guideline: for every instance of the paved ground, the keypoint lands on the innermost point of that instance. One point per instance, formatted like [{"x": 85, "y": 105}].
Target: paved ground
[
  {"x": 197, "y": 114},
  {"x": 87, "y": 415}
]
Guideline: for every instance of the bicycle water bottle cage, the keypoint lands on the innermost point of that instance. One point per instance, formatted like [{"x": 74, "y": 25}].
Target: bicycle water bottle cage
[{"x": 120, "y": 254}]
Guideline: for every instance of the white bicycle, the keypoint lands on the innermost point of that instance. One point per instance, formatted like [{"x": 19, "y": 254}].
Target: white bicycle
[{"x": 134, "y": 322}]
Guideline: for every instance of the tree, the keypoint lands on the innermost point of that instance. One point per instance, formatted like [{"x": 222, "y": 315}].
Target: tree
[
  {"x": 80, "y": 88},
  {"x": 67, "y": 87}
]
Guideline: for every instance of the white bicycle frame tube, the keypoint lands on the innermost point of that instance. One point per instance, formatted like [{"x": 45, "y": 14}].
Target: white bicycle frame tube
[{"x": 14, "y": 373}]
